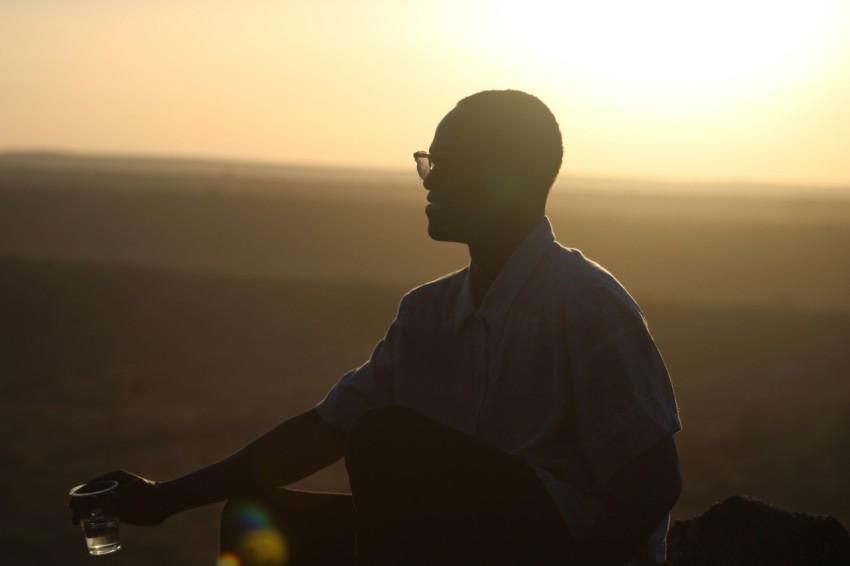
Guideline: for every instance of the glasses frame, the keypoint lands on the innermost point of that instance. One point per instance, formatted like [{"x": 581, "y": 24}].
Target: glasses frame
[{"x": 424, "y": 165}]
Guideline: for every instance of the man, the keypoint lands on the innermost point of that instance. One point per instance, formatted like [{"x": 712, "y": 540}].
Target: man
[{"x": 516, "y": 411}]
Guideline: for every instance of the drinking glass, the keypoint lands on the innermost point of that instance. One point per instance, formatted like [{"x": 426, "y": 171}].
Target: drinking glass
[{"x": 97, "y": 509}]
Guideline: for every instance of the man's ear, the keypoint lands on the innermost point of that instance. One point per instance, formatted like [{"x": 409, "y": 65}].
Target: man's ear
[
  {"x": 511, "y": 185},
  {"x": 503, "y": 186}
]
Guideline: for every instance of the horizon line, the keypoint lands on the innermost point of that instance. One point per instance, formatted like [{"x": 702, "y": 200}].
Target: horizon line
[{"x": 210, "y": 159}]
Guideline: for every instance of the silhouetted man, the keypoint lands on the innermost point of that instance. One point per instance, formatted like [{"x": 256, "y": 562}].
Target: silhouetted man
[{"x": 516, "y": 411}]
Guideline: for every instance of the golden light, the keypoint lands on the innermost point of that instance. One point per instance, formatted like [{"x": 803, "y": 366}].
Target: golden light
[
  {"x": 679, "y": 89},
  {"x": 658, "y": 45},
  {"x": 651, "y": 88}
]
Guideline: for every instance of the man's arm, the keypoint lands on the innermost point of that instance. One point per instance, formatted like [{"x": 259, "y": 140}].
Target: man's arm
[
  {"x": 293, "y": 450},
  {"x": 640, "y": 495}
]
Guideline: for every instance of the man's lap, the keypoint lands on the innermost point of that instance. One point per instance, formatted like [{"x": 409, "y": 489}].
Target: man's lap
[
  {"x": 432, "y": 486},
  {"x": 423, "y": 493}
]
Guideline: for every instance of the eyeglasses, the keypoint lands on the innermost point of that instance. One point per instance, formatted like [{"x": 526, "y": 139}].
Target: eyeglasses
[
  {"x": 423, "y": 163},
  {"x": 449, "y": 161}
]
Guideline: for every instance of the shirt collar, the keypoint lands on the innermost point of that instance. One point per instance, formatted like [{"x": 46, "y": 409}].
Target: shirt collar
[{"x": 510, "y": 280}]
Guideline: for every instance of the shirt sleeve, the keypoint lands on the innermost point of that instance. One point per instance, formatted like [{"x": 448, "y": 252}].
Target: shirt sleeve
[
  {"x": 361, "y": 389},
  {"x": 624, "y": 400}
]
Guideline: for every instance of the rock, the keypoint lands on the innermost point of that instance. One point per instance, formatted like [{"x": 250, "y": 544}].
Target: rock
[{"x": 745, "y": 531}]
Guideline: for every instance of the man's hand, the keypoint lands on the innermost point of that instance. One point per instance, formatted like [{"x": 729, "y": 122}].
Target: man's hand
[{"x": 140, "y": 501}]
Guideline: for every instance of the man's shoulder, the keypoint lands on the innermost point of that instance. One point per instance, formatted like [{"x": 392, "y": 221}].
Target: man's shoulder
[
  {"x": 572, "y": 270},
  {"x": 580, "y": 279},
  {"x": 441, "y": 291}
]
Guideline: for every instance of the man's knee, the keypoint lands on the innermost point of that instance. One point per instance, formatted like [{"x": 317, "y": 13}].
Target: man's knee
[
  {"x": 384, "y": 419},
  {"x": 379, "y": 437}
]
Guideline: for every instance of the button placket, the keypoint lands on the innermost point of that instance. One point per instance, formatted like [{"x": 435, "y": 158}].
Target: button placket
[{"x": 481, "y": 381}]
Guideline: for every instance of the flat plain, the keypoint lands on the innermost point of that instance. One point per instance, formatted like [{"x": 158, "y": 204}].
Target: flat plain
[{"x": 155, "y": 315}]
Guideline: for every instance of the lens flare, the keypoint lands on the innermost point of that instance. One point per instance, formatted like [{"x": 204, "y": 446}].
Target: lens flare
[
  {"x": 265, "y": 547},
  {"x": 253, "y": 517},
  {"x": 261, "y": 543}
]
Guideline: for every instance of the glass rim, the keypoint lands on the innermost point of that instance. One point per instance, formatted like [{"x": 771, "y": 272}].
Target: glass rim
[{"x": 75, "y": 492}]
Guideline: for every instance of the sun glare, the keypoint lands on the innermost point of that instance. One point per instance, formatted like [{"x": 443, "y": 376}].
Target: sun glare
[
  {"x": 654, "y": 88},
  {"x": 660, "y": 44}
]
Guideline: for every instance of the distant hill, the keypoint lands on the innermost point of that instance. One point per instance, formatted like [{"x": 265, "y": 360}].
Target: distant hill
[
  {"x": 216, "y": 168},
  {"x": 287, "y": 221}
]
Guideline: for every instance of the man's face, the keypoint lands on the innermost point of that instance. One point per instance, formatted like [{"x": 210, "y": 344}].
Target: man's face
[{"x": 462, "y": 207}]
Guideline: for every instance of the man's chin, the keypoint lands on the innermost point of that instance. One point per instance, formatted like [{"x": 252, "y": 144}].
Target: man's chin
[
  {"x": 443, "y": 234},
  {"x": 440, "y": 235}
]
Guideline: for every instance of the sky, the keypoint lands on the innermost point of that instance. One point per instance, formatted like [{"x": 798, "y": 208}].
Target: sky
[{"x": 718, "y": 90}]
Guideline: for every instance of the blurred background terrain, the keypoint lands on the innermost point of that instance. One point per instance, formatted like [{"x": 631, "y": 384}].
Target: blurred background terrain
[{"x": 155, "y": 315}]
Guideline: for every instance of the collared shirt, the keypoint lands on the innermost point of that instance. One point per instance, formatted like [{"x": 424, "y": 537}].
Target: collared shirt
[{"x": 556, "y": 367}]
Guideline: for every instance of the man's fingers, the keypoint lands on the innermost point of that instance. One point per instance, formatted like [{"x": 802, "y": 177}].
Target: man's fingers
[
  {"x": 115, "y": 475},
  {"x": 75, "y": 518}
]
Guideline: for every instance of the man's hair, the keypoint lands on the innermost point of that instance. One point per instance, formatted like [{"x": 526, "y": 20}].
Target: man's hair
[{"x": 519, "y": 129}]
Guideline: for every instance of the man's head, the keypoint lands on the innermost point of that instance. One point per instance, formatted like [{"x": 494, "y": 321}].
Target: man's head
[{"x": 495, "y": 157}]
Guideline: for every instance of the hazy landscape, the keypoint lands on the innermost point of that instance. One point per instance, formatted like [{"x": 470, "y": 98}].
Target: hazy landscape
[{"x": 157, "y": 314}]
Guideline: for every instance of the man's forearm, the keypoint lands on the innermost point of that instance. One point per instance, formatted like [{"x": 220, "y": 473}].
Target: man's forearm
[{"x": 290, "y": 452}]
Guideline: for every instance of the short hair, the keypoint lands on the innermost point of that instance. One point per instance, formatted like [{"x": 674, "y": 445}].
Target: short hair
[{"x": 521, "y": 129}]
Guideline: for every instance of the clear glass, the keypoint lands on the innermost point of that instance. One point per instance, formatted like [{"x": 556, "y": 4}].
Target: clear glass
[
  {"x": 98, "y": 511},
  {"x": 423, "y": 163}
]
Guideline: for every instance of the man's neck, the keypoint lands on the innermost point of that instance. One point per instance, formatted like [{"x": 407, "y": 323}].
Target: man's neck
[{"x": 487, "y": 258}]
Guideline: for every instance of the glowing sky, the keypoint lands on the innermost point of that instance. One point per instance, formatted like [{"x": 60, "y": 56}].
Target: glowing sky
[{"x": 709, "y": 90}]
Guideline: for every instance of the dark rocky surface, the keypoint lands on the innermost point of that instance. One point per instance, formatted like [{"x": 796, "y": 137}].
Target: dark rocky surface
[{"x": 745, "y": 531}]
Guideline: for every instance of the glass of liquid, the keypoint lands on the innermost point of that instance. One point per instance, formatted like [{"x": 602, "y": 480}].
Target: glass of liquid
[{"x": 97, "y": 509}]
